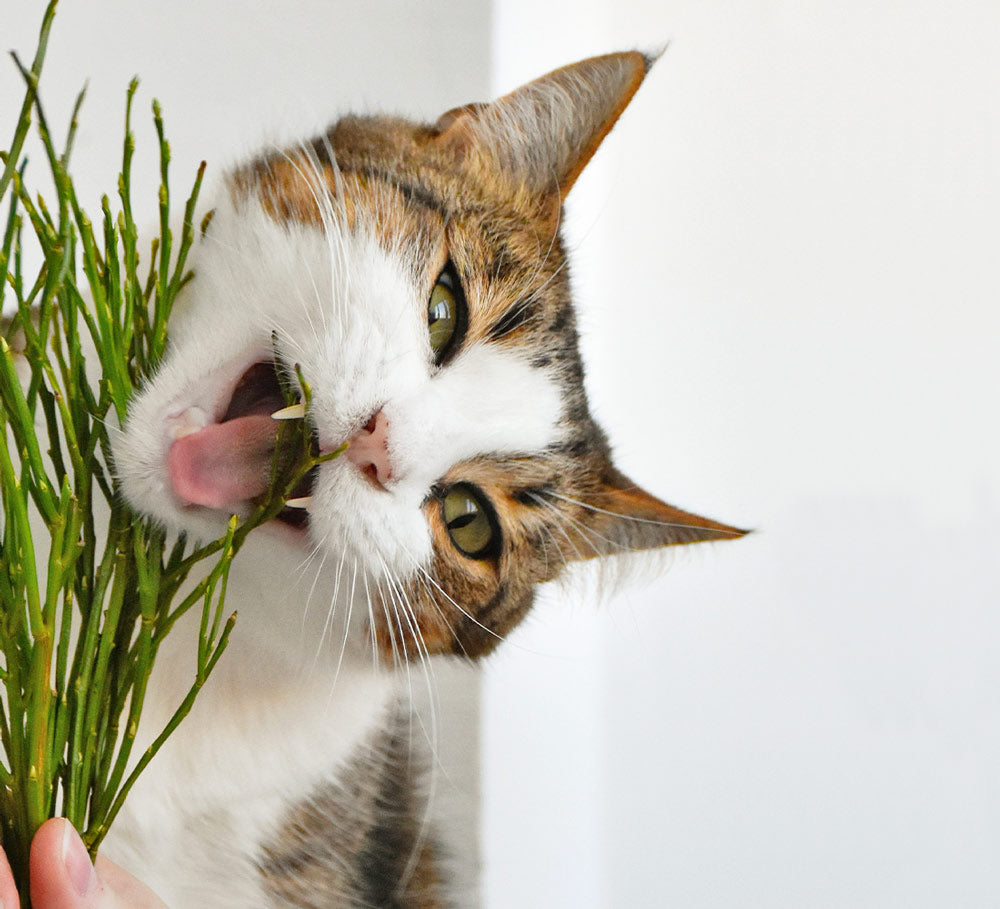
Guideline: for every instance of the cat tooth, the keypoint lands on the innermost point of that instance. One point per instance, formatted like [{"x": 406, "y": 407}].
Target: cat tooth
[
  {"x": 303, "y": 502},
  {"x": 292, "y": 412}
]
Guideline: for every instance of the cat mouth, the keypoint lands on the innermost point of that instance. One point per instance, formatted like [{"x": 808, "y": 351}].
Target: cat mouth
[{"x": 226, "y": 464}]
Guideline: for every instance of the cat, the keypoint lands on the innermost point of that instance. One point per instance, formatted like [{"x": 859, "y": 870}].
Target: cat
[{"x": 416, "y": 274}]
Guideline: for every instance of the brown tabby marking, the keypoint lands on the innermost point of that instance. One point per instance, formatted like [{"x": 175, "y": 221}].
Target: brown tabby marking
[
  {"x": 354, "y": 842},
  {"x": 485, "y": 187}
]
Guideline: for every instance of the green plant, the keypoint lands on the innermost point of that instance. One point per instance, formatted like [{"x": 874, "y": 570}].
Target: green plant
[{"x": 83, "y": 610}]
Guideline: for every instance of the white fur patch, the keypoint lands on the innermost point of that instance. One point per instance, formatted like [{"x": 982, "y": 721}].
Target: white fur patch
[
  {"x": 298, "y": 687},
  {"x": 348, "y": 311}
]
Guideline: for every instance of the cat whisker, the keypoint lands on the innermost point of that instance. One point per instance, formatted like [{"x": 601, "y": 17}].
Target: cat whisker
[
  {"x": 543, "y": 260},
  {"x": 334, "y": 220},
  {"x": 437, "y": 587},
  {"x": 350, "y": 613},
  {"x": 400, "y": 605},
  {"x": 559, "y": 517},
  {"x": 313, "y": 554},
  {"x": 545, "y": 549},
  {"x": 338, "y": 176},
  {"x": 423, "y": 571},
  {"x": 387, "y": 588},
  {"x": 371, "y": 614},
  {"x": 312, "y": 590},
  {"x": 464, "y": 612},
  {"x": 402, "y": 644},
  {"x": 537, "y": 292},
  {"x": 635, "y": 518},
  {"x": 395, "y": 649},
  {"x": 585, "y": 532},
  {"x": 432, "y": 598},
  {"x": 330, "y": 610},
  {"x": 321, "y": 196}
]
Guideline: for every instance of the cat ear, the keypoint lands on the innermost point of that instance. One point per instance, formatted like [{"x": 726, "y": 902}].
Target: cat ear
[
  {"x": 548, "y": 129},
  {"x": 621, "y": 517}
]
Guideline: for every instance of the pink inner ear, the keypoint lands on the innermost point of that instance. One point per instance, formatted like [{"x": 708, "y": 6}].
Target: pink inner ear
[{"x": 224, "y": 464}]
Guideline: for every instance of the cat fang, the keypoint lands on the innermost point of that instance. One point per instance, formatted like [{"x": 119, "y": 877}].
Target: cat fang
[
  {"x": 227, "y": 459},
  {"x": 417, "y": 274}
]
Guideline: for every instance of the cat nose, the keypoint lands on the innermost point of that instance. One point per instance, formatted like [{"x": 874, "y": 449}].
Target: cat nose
[{"x": 369, "y": 449}]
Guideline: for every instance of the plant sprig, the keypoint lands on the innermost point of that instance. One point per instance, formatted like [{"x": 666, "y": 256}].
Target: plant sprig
[{"x": 84, "y": 607}]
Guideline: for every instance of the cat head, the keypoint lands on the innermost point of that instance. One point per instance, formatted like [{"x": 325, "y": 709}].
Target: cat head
[{"x": 416, "y": 275}]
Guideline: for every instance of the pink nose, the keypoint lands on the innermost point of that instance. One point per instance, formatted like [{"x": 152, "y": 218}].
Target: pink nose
[{"x": 369, "y": 449}]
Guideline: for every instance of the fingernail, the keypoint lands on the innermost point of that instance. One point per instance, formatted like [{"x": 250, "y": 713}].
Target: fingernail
[{"x": 77, "y": 862}]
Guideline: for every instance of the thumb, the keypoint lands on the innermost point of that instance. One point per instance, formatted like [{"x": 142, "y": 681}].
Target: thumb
[{"x": 62, "y": 876}]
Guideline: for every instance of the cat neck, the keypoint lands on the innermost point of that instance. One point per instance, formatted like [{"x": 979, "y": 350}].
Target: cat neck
[{"x": 291, "y": 680}]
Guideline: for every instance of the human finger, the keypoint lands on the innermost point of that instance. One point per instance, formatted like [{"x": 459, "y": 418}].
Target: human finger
[
  {"x": 63, "y": 877},
  {"x": 8, "y": 892}
]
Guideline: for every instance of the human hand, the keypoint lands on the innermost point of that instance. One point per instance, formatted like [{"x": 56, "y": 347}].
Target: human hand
[{"x": 62, "y": 876}]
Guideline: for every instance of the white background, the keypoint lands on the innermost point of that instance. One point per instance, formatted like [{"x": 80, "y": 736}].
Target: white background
[
  {"x": 789, "y": 272},
  {"x": 786, "y": 265}
]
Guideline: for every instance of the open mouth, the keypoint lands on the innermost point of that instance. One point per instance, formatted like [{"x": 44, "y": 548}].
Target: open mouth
[{"x": 228, "y": 465}]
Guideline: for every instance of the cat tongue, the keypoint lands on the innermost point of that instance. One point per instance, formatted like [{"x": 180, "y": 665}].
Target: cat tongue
[{"x": 223, "y": 464}]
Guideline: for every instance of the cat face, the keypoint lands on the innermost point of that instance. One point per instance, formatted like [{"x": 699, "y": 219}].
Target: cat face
[{"x": 416, "y": 275}]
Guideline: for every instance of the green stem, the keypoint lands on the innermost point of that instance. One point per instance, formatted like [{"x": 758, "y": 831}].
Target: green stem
[
  {"x": 96, "y": 833},
  {"x": 24, "y": 120}
]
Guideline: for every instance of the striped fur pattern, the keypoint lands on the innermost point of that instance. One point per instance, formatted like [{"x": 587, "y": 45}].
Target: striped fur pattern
[
  {"x": 354, "y": 840},
  {"x": 482, "y": 180},
  {"x": 325, "y": 256}
]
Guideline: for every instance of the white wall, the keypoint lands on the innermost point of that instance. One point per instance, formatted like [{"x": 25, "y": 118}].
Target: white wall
[
  {"x": 792, "y": 323},
  {"x": 234, "y": 74}
]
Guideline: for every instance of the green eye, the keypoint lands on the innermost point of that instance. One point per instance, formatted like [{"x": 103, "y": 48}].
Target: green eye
[
  {"x": 441, "y": 317},
  {"x": 445, "y": 314},
  {"x": 470, "y": 522}
]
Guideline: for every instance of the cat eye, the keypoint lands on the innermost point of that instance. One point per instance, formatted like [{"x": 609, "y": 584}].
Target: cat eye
[
  {"x": 471, "y": 522},
  {"x": 446, "y": 314}
]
